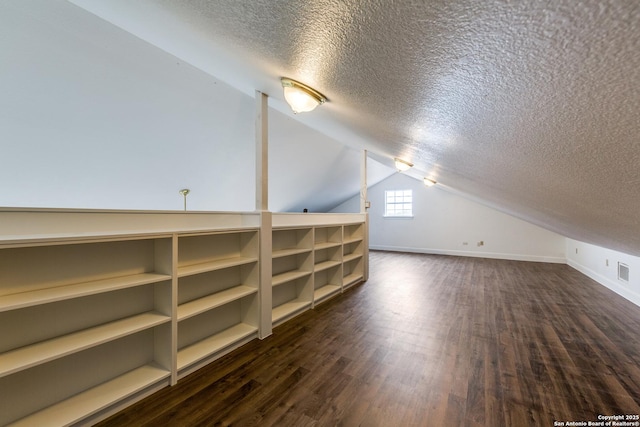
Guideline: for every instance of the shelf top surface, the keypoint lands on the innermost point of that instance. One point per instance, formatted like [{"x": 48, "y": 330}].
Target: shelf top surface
[{"x": 77, "y": 290}]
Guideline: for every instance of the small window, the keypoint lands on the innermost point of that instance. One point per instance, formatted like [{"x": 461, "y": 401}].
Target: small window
[{"x": 398, "y": 203}]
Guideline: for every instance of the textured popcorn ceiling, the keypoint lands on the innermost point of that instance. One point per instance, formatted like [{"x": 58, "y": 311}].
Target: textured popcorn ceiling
[{"x": 532, "y": 107}]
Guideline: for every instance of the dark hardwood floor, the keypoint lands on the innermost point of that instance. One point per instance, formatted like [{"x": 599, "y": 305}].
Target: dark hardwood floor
[{"x": 427, "y": 341}]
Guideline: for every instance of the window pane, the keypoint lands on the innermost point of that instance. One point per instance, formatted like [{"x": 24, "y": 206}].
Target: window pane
[{"x": 398, "y": 203}]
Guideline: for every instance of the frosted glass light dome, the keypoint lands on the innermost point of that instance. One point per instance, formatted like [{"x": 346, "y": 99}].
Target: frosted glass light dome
[{"x": 300, "y": 97}]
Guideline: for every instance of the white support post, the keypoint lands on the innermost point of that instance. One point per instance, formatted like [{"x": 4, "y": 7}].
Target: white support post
[
  {"x": 262, "y": 152},
  {"x": 265, "y": 326},
  {"x": 363, "y": 210},
  {"x": 363, "y": 182},
  {"x": 173, "y": 379}
]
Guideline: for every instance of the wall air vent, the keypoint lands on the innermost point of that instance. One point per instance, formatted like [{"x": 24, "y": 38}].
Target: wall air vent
[{"x": 623, "y": 272}]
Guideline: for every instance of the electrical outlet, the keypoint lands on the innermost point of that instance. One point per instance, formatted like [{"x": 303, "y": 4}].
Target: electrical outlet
[
  {"x": 607, "y": 263},
  {"x": 576, "y": 250},
  {"x": 465, "y": 243}
]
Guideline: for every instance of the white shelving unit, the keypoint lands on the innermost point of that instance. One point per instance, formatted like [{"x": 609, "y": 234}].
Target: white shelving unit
[
  {"x": 353, "y": 247},
  {"x": 327, "y": 276},
  {"x": 217, "y": 295},
  {"x": 292, "y": 269},
  {"x": 307, "y": 273},
  {"x": 99, "y": 309},
  {"x": 68, "y": 308}
]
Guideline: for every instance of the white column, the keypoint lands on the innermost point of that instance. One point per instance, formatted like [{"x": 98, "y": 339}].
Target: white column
[
  {"x": 262, "y": 153},
  {"x": 363, "y": 182},
  {"x": 265, "y": 326},
  {"x": 266, "y": 291},
  {"x": 363, "y": 210}
]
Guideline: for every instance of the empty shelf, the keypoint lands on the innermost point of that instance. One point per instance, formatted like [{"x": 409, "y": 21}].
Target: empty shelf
[
  {"x": 325, "y": 291},
  {"x": 326, "y": 264},
  {"x": 351, "y": 279},
  {"x": 326, "y": 245},
  {"x": 43, "y": 296},
  {"x": 348, "y": 240},
  {"x": 208, "y": 346},
  {"x": 35, "y": 354},
  {"x": 287, "y": 252},
  {"x": 288, "y": 308},
  {"x": 95, "y": 399},
  {"x": 288, "y": 276},
  {"x": 350, "y": 257},
  {"x": 213, "y": 265},
  {"x": 208, "y": 302}
]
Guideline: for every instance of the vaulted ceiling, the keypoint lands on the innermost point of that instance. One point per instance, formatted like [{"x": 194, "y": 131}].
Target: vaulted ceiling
[{"x": 532, "y": 107}]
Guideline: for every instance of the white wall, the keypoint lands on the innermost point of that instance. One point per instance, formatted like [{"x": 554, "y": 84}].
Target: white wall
[
  {"x": 308, "y": 170},
  {"x": 92, "y": 117},
  {"x": 443, "y": 222},
  {"x": 592, "y": 261}
]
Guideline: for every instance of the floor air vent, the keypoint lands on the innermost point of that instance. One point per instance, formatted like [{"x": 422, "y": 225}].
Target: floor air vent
[{"x": 623, "y": 272}]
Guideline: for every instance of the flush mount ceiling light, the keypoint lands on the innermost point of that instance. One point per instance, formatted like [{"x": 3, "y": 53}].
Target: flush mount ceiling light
[
  {"x": 429, "y": 182},
  {"x": 300, "y": 97},
  {"x": 402, "y": 165}
]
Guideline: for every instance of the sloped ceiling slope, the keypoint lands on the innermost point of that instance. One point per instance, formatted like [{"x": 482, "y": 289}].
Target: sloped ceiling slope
[
  {"x": 532, "y": 107},
  {"x": 94, "y": 117},
  {"x": 308, "y": 170}
]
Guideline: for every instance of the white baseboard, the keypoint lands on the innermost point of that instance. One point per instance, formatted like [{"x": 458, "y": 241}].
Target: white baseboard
[
  {"x": 494, "y": 255},
  {"x": 605, "y": 281}
]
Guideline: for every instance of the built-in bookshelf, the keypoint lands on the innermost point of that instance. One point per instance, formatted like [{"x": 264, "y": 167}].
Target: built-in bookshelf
[
  {"x": 99, "y": 309},
  {"x": 84, "y": 324},
  {"x": 313, "y": 263}
]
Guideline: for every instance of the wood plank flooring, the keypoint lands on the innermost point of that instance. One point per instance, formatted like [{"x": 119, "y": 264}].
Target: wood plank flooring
[{"x": 427, "y": 341}]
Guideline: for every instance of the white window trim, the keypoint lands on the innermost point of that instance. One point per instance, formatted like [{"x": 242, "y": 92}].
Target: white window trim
[{"x": 387, "y": 216}]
